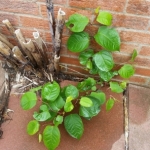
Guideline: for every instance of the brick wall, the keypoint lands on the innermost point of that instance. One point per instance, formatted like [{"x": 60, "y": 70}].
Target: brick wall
[{"x": 130, "y": 17}]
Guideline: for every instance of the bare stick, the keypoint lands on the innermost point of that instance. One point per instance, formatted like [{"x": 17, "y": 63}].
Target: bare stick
[
  {"x": 30, "y": 46},
  {"x": 21, "y": 39},
  {"x": 9, "y": 26},
  {"x": 40, "y": 45},
  {"x": 4, "y": 39}
]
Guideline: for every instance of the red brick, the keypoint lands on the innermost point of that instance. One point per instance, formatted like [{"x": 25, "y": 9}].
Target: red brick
[
  {"x": 128, "y": 48},
  {"x": 138, "y": 37},
  {"x": 69, "y": 60},
  {"x": 11, "y": 17},
  {"x": 115, "y": 5},
  {"x": 138, "y": 80},
  {"x": 145, "y": 50},
  {"x": 43, "y": 10},
  {"x": 48, "y": 37},
  {"x": 142, "y": 71},
  {"x": 131, "y": 22},
  {"x": 34, "y": 23},
  {"x": 140, "y": 7},
  {"x": 19, "y": 7},
  {"x": 77, "y": 70},
  {"x": 120, "y": 58},
  {"x": 142, "y": 61}
]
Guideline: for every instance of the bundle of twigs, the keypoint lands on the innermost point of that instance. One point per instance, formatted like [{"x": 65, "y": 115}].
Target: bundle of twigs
[{"x": 28, "y": 61}]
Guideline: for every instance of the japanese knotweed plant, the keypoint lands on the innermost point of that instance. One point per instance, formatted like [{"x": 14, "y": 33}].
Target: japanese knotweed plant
[{"x": 57, "y": 103}]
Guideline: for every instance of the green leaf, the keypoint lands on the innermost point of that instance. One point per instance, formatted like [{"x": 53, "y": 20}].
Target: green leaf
[
  {"x": 68, "y": 107},
  {"x": 78, "y": 42},
  {"x": 36, "y": 89},
  {"x": 126, "y": 71},
  {"x": 87, "y": 84},
  {"x": 104, "y": 18},
  {"x": 28, "y": 100},
  {"x": 57, "y": 104},
  {"x": 58, "y": 120},
  {"x": 86, "y": 102},
  {"x": 69, "y": 99},
  {"x": 134, "y": 54},
  {"x": 100, "y": 96},
  {"x": 43, "y": 116},
  {"x": 108, "y": 38},
  {"x": 89, "y": 112},
  {"x": 33, "y": 127},
  {"x": 115, "y": 87},
  {"x": 97, "y": 10},
  {"x": 123, "y": 85},
  {"x": 44, "y": 108},
  {"x": 110, "y": 104},
  {"x": 50, "y": 91},
  {"x": 71, "y": 91},
  {"x": 94, "y": 88},
  {"x": 74, "y": 126},
  {"x": 94, "y": 69},
  {"x": 85, "y": 55},
  {"x": 77, "y": 22},
  {"x": 106, "y": 76},
  {"x": 104, "y": 60},
  {"x": 51, "y": 137},
  {"x": 89, "y": 65},
  {"x": 40, "y": 138}
]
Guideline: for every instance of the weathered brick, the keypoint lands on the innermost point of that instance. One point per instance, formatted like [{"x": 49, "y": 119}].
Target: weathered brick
[
  {"x": 69, "y": 60},
  {"x": 140, "y": 7},
  {"x": 19, "y": 7},
  {"x": 128, "y": 48},
  {"x": 11, "y": 17},
  {"x": 142, "y": 61},
  {"x": 131, "y": 22},
  {"x": 145, "y": 50},
  {"x": 115, "y": 5},
  {"x": 48, "y": 37},
  {"x": 143, "y": 71},
  {"x": 138, "y": 37},
  {"x": 34, "y": 22}
]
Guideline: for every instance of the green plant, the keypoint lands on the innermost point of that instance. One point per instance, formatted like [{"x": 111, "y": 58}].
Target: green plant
[{"x": 57, "y": 102}]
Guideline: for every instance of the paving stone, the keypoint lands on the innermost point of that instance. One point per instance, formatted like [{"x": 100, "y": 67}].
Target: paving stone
[
  {"x": 101, "y": 133},
  {"x": 139, "y": 118}
]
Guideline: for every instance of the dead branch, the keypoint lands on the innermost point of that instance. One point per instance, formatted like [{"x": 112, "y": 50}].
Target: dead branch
[
  {"x": 9, "y": 26},
  {"x": 21, "y": 39},
  {"x": 4, "y": 39},
  {"x": 30, "y": 46},
  {"x": 41, "y": 46}
]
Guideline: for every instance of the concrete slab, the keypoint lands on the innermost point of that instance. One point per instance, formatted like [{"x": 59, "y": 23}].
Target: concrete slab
[
  {"x": 101, "y": 133},
  {"x": 139, "y": 118}
]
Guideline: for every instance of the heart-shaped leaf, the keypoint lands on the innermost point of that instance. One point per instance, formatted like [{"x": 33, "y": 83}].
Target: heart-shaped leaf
[
  {"x": 85, "y": 55},
  {"x": 50, "y": 91},
  {"x": 78, "y": 42},
  {"x": 89, "y": 112},
  {"x": 86, "y": 102},
  {"x": 126, "y": 71},
  {"x": 104, "y": 18},
  {"x": 106, "y": 76},
  {"x": 28, "y": 100},
  {"x": 103, "y": 60},
  {"x": 77, "y": 22},
  {"x": 110, "y": 104},
  {"x": 108, "y": 38},
  {"x": 74, "y": 125},
  {"x": 100, "y": 96},
  {"x": 51, "y": 137},
  {"x": 33, "y": 127},
  {"x": 57, "y": 104},
  {"x": 68, "y": 107},
  {"x": 115, "y": 87},
  {"x": 72, "y": 91},
  {"x": 58, "y": 120},
  {"x": 43, "y": 116}
]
